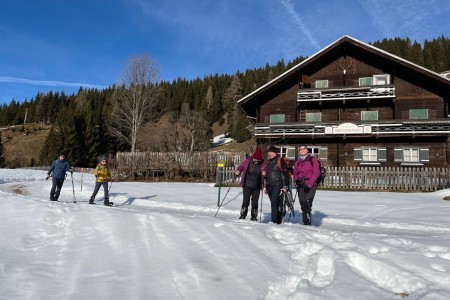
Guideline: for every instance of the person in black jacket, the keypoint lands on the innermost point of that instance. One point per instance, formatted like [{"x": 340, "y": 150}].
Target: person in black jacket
[
  {"x": 277, "y": 181},
  {"x": 58, "y": 171}
]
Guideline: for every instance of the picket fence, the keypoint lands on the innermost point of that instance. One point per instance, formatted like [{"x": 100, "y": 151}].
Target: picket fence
[{"x": 372, "y": 178}]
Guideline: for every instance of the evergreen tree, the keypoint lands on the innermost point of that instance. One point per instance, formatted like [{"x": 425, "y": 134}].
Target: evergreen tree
[{"x": 240, "y": 131}]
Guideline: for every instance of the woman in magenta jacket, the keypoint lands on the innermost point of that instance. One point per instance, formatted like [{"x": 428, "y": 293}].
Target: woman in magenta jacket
[
  {"x": 252, "y": 182},
  {"x": 306, "y": 172}
]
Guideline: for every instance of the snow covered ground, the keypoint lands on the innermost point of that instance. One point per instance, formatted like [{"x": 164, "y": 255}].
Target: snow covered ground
[{"x": 162, "y": 241}]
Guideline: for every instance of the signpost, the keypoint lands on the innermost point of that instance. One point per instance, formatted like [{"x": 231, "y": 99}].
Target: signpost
[{"x": 220, "y": 165}]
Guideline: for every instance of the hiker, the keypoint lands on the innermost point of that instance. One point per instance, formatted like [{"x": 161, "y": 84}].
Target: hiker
[
  {"x": 58, "y": 173},
  {"x": 252, "y": 179},
  {"x": 306, "y": 172},
  {"x": 102, "y": 176},
  {"x": 277, "y": 181}
]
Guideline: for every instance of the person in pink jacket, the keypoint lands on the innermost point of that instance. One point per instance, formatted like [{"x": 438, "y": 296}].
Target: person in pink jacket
[
  {"x": 306, "y": 172},
  {"x": 252, "y": 179}
]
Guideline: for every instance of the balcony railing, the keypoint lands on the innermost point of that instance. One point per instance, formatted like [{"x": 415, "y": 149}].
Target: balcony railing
[
  {"x": 346, "y": 93},
  {"x": 363, "y": 129}
]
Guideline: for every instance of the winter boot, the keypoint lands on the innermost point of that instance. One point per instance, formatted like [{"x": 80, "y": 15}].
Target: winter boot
[
  {"x": 244, "y": 211},
  {"x": 254, "y": 214},
  {"x": 307, "y": 219},
  {"x": 53, "y": 199},
  {"x": 107, "y": 202},
  {"x": 91, "y": 200}
]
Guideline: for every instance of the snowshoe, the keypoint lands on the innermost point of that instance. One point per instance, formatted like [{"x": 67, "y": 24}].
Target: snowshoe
[{"x": 108, "y": 203}]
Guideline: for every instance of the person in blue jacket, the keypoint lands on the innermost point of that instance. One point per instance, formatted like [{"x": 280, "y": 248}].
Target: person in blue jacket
[{"x": 58, "y": 171}]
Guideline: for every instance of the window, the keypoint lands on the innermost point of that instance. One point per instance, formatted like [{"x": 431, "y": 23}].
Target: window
[
  {"x": 370, "y": 154},
  {"x": 321, "y": 84},
  {"x": 314, "y": 117},
  {"x": 319, "y": 152},
  {"x": 369, "y": 115},
  {"x": 381, "y": 79},
  {"x": 287, "y": 151},
  {"x": 411, "y": 155},
  {"x": 407, "y": 156},
  {"x": 415, "y": 114},
  {"x": 279, "y": 118},
  {"x": 364, "y": 81}
]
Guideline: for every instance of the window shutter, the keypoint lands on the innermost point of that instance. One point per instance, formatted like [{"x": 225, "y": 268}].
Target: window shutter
[
  {"x": 357, "y": 152},
  {"x": 398, "y": 155},
  {"x": 323, "y": 153},
  {"x": 381, "y": 154},
  {"x": 424, "y": 155}
]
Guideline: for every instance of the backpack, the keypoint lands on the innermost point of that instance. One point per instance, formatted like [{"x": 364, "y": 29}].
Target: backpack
[
  {"x": 288, "y": 165},
  {"x": 323, "y": 171}
]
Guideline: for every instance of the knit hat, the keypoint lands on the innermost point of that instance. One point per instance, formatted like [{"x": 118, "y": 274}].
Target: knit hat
[
  {"x": 302, "y": 145},
  {"x": 102, "y": 158},
  {"x": 257, "y": 154},
  {"x": 272, "y": 149}
]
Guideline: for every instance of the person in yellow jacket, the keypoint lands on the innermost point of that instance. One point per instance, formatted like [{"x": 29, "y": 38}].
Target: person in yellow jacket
[{"x": 102, "y": 176}]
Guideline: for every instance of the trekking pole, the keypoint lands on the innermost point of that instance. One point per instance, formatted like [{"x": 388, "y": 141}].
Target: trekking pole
[
  {"x": 226, "y": 195},
  {"x": 73, "y": 188},
  {"x": 293, "y": 201},
  {"x": 260, "y": 210}
]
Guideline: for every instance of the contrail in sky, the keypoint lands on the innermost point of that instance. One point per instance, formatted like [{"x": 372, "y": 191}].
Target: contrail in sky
[
  {"x": 48, "y": 82},
  {"x": 298, "y": 19}
]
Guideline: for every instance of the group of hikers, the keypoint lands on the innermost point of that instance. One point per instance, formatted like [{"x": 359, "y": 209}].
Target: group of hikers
[
  {"x": 61, "y": 166},
  {"x": 273, "y": 176}
]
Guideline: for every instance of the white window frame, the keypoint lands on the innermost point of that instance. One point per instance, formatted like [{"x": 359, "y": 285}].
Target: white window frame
[
  {"x": 381, "y": 79},
  {"x": 322, "y": 84},
  {"x": 369, "y": 154},
  {"x": 287, "y": 151},
  {"x": 411, "y": 155}
]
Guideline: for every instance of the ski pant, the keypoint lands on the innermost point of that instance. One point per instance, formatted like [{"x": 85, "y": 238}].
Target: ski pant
[
  {"x": 56, "y": 187},
  {"x": 306, "y": 200},
  {"x": 97, "y": 187},
  {"x": 253, "y": 195},
  {"x": 273, "y": 192}
]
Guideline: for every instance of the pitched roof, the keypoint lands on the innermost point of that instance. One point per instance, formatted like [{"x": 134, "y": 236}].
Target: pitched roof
[{"x": 342, "y": 42}]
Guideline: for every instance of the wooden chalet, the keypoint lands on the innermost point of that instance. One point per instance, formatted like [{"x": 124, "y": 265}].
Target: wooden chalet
[{"x": 355, "y": 105}]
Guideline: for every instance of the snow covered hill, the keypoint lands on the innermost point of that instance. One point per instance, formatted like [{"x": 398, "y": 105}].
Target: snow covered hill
[{"x": 162, "y": 241}]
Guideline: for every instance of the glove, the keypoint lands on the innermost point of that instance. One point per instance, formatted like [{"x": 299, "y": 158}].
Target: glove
[
  {"x": 300, "y": 182},
  {"x": 71, "y": 171},
  {"x": 48, "y": 176}
]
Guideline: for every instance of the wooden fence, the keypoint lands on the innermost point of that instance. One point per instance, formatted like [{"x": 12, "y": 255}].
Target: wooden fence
[
  {"x": 170, "y": 166},
  {"x": 373, "y": 178},
  {"x": 202, "y": 166}
]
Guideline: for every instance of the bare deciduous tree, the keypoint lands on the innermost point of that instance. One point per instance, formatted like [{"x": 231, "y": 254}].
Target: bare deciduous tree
[
  {"x": 197, "y": 130},
  {"x": 134, "y": 99}
]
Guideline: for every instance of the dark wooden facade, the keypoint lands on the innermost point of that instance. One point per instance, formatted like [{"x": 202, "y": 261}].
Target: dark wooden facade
[{"x": 355, "y": 105}]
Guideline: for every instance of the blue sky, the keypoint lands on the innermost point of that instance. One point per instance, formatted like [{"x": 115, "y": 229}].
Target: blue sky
[{"x": 62, "y": 45}]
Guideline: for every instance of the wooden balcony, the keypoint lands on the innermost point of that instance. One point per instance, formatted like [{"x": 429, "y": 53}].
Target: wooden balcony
[
  {"x": 381, "y": 128},
  {"x": 346, "y": 93}
]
